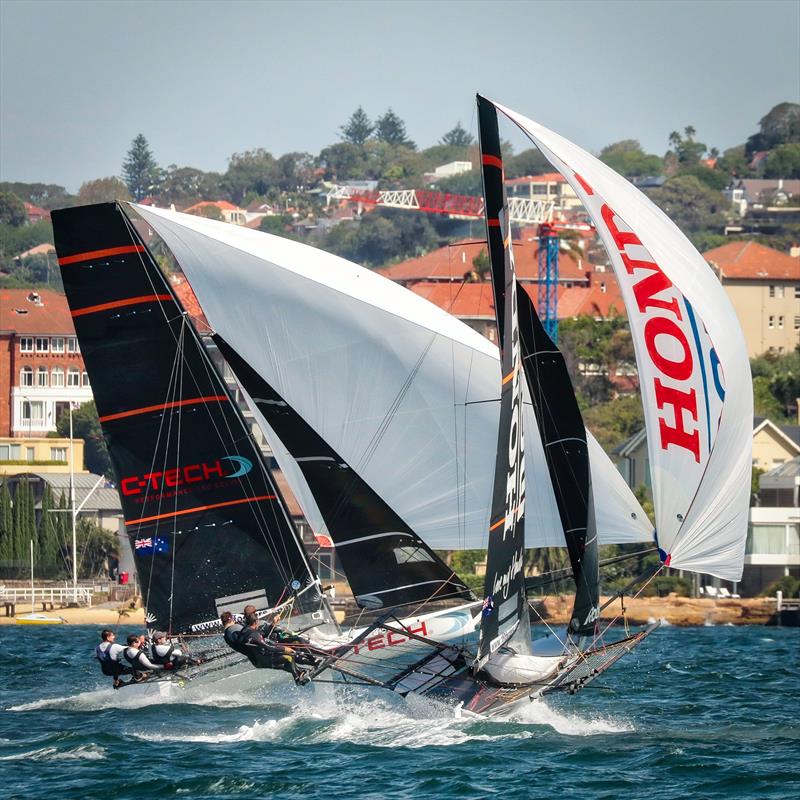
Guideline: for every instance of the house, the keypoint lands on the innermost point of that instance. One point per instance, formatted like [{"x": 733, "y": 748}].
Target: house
[
  {"x": 45, "y": 453},
  {"x": 552, "y": 187},
  {"x": 41, "y": 368},
  {"x": 35, "y": 213},
  {"x": 773, "y": 536},
  {"x": 230, "y": 213},
  {"x": 45, "y": 249},
  {"x": 448, "y": 170},
  {"x": 764, "y": 287},
  {"x": 748, "y": 193}
]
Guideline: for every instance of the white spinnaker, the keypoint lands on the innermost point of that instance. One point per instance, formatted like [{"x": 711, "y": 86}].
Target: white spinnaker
[
  {"x": 403, "y": 391},
  {"x": 693, "y": 367}
]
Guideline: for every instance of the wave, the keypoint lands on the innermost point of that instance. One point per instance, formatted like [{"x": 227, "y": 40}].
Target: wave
[
  {"x": 539, "y": 713},
  {"x": 87, "y": 752}
]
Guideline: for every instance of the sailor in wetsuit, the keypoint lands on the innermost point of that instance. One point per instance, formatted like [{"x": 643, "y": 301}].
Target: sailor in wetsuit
[
  {"x": 274, "y": 631},
  {"x": 110, "y": 654},
  {"x": 143, "y": 667},
  {"x": 265, "y": 653},
  {"x": 230, "y": 632}
]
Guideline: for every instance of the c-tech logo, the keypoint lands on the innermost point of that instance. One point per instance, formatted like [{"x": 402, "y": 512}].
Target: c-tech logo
[{"x": 225, "y": 467}]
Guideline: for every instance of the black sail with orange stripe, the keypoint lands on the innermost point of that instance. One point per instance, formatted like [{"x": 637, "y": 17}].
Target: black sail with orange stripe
[
  {"x": 386, "y": 563},
  {"x": 505, "y": 610},
  {"x": 203, "y": 514}
]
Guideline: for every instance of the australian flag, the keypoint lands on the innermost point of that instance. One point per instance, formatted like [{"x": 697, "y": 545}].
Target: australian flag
[
  {"x": 488, "y": 606},
  {"x": 151, "y": 545}
]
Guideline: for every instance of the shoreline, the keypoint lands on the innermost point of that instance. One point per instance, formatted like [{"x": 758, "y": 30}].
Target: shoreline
[{"x": 674, "y": 610}]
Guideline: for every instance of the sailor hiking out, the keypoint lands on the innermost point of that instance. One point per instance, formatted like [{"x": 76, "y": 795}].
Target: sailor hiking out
[
  {"x": 264, "y": 653},
  {"x": 110, "y": 655},
  {"x": 135, "y": 655}
]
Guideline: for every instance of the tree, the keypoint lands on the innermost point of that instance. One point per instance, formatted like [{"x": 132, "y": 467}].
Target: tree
[
  {"x": 692, "y": 206},
  {"x": 528, "y": 162},
  {"x": 86, "y": 426},
  {"x": 780, "y": 126},
  {"x": 358, "y": 128},
  {"x": 103, "y": 190},
  {"x": 615, "y": 421},
  {"x": 6, "y": 530},
  {"x": 46, "y": 195},
  {"x": 251, "y": 171},
  {"x": 783, "y": 162},
  {"x": 458, "y": 137},
  {"x": 95, "y": 545},
  {"x": 12, "y": 210},
  {"x": 391, "y": 129},
  {"x": 627, "y": 158},
  {"x": 343, "y": 161},
  {"x": 49, "y": 551},
  {"x": 140, "y": 170},
  {"x": 687, "y": 149},
  {"x": 24, "y": 526}
]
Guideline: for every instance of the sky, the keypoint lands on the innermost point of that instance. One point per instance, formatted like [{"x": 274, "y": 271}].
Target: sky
[{"x": 205, "y": 79}]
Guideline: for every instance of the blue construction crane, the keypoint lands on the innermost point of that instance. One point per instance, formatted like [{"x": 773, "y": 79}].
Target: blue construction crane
[{"x": 548, "y": 279}]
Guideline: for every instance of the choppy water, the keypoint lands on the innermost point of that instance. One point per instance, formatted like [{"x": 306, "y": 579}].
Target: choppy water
[{"x": 693, "y": 713}]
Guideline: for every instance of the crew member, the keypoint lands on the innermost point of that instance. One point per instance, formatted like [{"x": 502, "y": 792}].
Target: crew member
[
  {"x": 230, "y": 632},
  {"x": 143, "y": 667},
  {"x": 164, "y": 651},
  {"x": 274, "y": 631},
  {"x": 110, "y": 655},
  {"x": 266, "y": 654}
]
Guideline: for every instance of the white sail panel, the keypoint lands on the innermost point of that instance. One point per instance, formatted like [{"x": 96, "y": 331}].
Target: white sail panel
[
  {"x": 692, "y": 359},
  {"x": 406, "y": 393}
]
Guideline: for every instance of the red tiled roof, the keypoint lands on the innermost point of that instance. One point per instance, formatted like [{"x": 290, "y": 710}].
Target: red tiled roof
[
  {"x": 754, "y": 261},
  {"x": 35, "y": 212},
  {"x": 450, "y": 263},
  {"x": 602, "y": 299},
  {"x": 222, "y": 205},
  {"x": 190, "y": 302},
  {"x": 470, "y": 300},
  {"x": 51, "y": 317}
]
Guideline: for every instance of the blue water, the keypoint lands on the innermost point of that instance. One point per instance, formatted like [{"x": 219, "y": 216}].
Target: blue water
[{"x": 693, "y": 713}]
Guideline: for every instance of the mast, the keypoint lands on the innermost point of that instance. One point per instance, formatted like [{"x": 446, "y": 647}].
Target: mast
[
  {"x": 505, "y": 609},
  {"x": 205, "y": 518}
]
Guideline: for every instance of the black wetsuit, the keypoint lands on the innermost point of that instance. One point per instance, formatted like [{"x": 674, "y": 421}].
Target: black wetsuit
[
  {"x": 109, "y": 659},
  {"x": 264, "y": 653}
]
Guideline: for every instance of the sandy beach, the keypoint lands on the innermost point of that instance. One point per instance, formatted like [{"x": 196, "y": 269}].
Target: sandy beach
[{"x": 99, "y": 615}]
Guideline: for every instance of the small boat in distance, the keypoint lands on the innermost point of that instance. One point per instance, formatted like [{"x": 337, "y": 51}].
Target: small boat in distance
[{"x": 38, "y": 619}]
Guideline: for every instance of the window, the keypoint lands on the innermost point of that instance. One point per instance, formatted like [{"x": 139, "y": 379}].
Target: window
[
  {"x": 26, "y": 376},
  {"x": 85, "y": 378},
  {"x": 42, "y": 344},
  {"x": 780, "y": 322},
  {"x": 797, "y": 323},
  {"x": 26, "y": 344},
  {"x": 771, "y": 323},
  {"x": 32, "y": 411},
  {"x": 57, "y": 377},
  {"x": 779, "y": 291},
  {"x": 10, "y": 452},
  {"x": 57, "y": 344},
  {"x": 73, "y": 377},
  {"x": 411, "y": 554},
  {"x": 30, "y": 454},
  {"x": 58, "y": 453},
  {"x": 72, "y": 345},
  {"x": 41, "y": 376},
  {"x": 797, "y": 292},
  {"x": 766, "y": 540}
]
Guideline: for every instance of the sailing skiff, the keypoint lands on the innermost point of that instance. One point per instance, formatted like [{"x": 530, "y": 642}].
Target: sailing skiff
[{"x": 402, "y": 433}]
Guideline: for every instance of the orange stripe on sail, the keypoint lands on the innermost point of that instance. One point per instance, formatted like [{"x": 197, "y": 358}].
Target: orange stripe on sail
[
  {"x": 492, "y": 161},
  {"x": 497, "y": 524},
  {"x": 200, "y": 508},
  {"x": 509, "y": 376},
  {"x": 128, "y": 301},
  {"x": 93, "y": 254},
  {"x": 493, "y": 222},
  {"x": 162, "y": 407}
]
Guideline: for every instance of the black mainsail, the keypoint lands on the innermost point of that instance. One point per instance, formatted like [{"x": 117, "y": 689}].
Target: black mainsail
[
  {"x": 385, "y": 562},
  {"x": 505, "y": 609},
  {"x": 204, "y": 516}
]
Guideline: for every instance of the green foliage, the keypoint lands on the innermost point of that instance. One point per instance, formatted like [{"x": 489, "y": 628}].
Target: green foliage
[
  {"x": 24, "y": 522},
  {"x": 685, "y": 147},
  {"x": 664, "y": 584},
  {"x": 45, "y": 195},
  {"x": 755, "y": 474},
  {"x": 776, "y": 385},
  {"x": 780, "y": 126},
  {"x": 95, "y": 545},
  {"x": 16, "y": 240},
  {"x": 734, "y": 161},
  {"x": 457, "y": 137},
  {"x": 6, "y": 530},
  {"x": 12, "y": 210},
  {"x": 49, "y": 552},
  {"x": 783, "y": 162},
  {"x": 615, "y": 420},
  {"x": 392, "y": 130},
  {"x": 358, "y": 128},
  {"x": 528, "y": 162},
  {"x": 645, "y": 498},
  {"x": 86, "y": 426},
  {"x": 185, "y": 186},
  {"x": 103, "y": 190},
  {"x": 280, "y": 226},
  {"x": 694, "y": 207},
  {"x": 464, "y": 561},
  {"x": 628, "y": 158},
  {"x": 713, "y": 178},
  {"x": 252, "y": 171},
  {"x": 789, "y": 585},
  {"x": 140, "y": 170}
]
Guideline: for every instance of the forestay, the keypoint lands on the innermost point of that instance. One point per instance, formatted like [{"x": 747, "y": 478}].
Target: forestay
[
  {"x": 403, "y": 391},
  {"x": 692, "y": 359}
]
